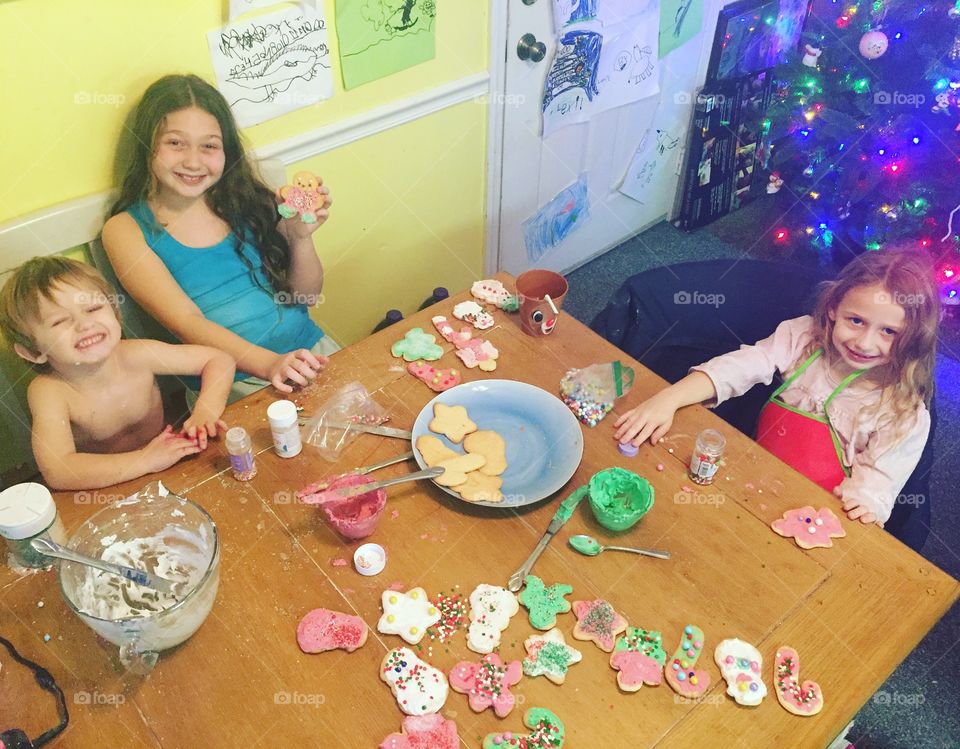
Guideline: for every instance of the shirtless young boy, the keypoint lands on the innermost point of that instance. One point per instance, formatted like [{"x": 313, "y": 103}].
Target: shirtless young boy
[{"x": 97, "y": 415}]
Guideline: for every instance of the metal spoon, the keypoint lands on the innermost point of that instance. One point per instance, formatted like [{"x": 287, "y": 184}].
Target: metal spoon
[{"x": 590, "y": 547}]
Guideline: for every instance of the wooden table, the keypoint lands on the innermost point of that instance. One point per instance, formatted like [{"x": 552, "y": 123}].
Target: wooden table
[{"x": 853, "y": 611}]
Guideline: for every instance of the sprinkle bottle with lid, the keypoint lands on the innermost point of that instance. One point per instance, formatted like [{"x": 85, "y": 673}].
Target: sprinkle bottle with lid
[
  {"x": 240, "y": 449},
  {"x": 282, "y": 416},
  {"x": 706, "y": 456},
  {"x": 27, "y": 511}
]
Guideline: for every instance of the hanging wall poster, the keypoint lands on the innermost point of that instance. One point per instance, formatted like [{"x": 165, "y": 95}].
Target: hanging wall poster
[
  {"x": 680, "y": 21},
  {"x": 629, "y": 67},
  {"x": 272, "y": 64},
  {"x": 658, "y": 148},
  {"x": 380, "y": 37},
  {"x": 553, "y": 223},
  {"x": 571, "y": 83}
]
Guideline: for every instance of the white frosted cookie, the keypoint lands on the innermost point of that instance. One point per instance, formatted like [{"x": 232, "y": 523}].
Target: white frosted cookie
[
  {"x": 740, "y": 664},
  {"x": 490, "y": 610},
  {"x": 418, "y": 687},
  {"x": 407, "y": 614}
]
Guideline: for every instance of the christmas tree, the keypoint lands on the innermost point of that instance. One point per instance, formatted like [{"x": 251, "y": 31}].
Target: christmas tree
[{"x": 866, "y": 129}]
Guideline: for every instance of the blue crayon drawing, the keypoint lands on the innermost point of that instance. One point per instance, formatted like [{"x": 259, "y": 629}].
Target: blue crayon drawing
[
  {"x": 557, "y": 219},
  {"x": 575, "y": 11},
  {"x": 575, "y": 66}
]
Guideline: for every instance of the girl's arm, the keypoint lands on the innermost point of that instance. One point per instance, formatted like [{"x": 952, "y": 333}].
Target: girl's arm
[
  {"x": 64, "y": 468},
  {"x": 147, "y": 279},
  {"x": 306, "y": 270},
  {"x": 653, "y": 418}
]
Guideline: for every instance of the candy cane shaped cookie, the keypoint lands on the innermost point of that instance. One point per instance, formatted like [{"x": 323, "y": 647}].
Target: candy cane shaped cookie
[
  {"x": 800, "y": 699},
  {"x": 546, "y": 732},
  {"x": 741, "y": 664},
  {"x": 680, "y": 671}
]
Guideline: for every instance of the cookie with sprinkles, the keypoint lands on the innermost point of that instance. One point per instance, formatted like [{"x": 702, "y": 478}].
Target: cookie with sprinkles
[
  {"x": 800, "y": 699},
  {"x": 681, "y": 672},
  {"x": 418, "y": 687},
  {"x": 487, "y": 683},
  {"x": 740, "y": 664},
  {"x": 638, "y": 658},
  {"x": 453, "y": 616},
  {"x": 407, "y": 614},
  {"x": 424, "y": 732},
  {"x": 491, "y": 608},
  {"x": 810, "y": 528},
  {"x": 546, "y": 732},
  {"x": 598, "y": 621},
  {"x": 544, "y": 603},
  {"x": 549, "y": 655}
]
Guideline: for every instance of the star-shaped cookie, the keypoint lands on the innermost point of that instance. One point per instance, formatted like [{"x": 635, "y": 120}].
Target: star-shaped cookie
[
  {"x": 407, "y": 614},
  {"x": 549, "y": 655}
]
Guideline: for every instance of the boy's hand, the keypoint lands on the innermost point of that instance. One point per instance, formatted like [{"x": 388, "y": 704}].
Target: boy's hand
[
  {"x": 650, "y": 420},
  {"x": 298, "y": 366},
  {"x": 166, "y": 449},
  {"x": 204, "y": 422}
]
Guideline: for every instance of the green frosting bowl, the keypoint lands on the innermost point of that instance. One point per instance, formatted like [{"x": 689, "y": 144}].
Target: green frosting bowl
[{"x": 619, "y": 498}]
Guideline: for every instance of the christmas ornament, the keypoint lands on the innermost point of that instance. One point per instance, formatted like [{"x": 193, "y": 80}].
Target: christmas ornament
[
  {"x": 954, "y": 53},
  {"x": 811, "y": 56},
  {"x": 874, "y": 44},
  {"x": 775, "y": 183}
]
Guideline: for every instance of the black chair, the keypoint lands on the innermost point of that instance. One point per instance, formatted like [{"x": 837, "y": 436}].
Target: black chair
[{"x": 672, "y": 318}]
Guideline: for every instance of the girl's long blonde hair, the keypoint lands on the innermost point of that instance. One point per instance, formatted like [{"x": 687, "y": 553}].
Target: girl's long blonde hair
[{"x": 908, "y": 277}]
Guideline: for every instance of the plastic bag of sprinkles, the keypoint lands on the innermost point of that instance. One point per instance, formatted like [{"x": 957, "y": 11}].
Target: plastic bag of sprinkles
[{"x": 590, "y": 392}]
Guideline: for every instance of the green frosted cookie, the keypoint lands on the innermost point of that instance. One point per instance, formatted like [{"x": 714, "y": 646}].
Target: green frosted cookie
[
  {"x": 544, "y": 603},
  {"x": 417, "y": 345},
  {"x": 546, "y": 732}
]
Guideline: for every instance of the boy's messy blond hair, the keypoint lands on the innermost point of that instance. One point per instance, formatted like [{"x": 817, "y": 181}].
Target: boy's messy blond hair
[{"x": 36, "y": 278}]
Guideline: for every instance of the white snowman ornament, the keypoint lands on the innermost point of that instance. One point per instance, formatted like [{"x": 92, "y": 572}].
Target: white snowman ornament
[{"x": 811, "y": 56}]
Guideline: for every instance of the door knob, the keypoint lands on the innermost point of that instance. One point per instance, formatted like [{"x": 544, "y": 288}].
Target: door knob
[
  {"x": 529, "y": 2},
  {"x": 528, "y": 48}
]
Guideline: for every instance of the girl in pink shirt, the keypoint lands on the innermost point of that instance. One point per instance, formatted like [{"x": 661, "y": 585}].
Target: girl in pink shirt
[{"x": 852, "y": 412}]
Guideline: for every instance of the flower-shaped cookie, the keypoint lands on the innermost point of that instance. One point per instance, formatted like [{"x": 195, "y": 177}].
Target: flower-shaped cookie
[
  {"x": 487, "y": 683},
  {"x": 810, "y": 528},
  {"x": 490, "y": 610},
  {"x": 417, "y": 345},
  {"x": 598, "y": 621},
  {"x": 681, "y": 673},
  {"x": 546, "y": 732},
  {"x": 638, "y": 658},
  {"x": 421, "y": 731},
  {"x": 549, "y": 655},
  {"x": 418, "y": 687},
  {"x": 544, "y": 603},
  {"x": 474, "y": 314},
  {"x": 407, "y": 614},
  {"x": 479, "y": 353}
]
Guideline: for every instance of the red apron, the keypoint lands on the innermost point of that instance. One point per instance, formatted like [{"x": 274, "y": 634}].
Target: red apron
[{"x": 804, "y": 440}]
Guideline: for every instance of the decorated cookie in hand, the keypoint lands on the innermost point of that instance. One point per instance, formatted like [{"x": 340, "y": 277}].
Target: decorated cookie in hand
[
  {"x": 487, "y": 683},
  {"x": 740, "y": 664},
  {"x": 638, "y": 658},
  {"x": 549, "y": 655},
  {"x": 546, "y": 732},
  {"x": 424, "y": 732},
  {"x": 407, "y": 614},
  {"x": 800, "y": 699},
  {"x": 491, "y": 608},
  {"x": 323, "y": 629},
  {"x": 809, "y": 527},
  {"x": 544, "y": 603},
  {"x": 474, "y": 314},
  {"x": 417, "y": 345},
  {"x": 680, "y": 672},
  {"x": 418, "y": 687},
  {"x": 437, "y": 380},
  {"x": 303, "y": 197},
  {"x": 598, "y": 621}
]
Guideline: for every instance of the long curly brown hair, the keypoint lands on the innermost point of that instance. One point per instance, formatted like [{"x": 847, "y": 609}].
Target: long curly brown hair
[
  {"x": 239, "y": 197},
  {"x": 908, "y": 277}
]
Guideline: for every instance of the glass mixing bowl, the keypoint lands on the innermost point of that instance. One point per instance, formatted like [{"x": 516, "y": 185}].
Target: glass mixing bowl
[{"x": 182, "y": 539}]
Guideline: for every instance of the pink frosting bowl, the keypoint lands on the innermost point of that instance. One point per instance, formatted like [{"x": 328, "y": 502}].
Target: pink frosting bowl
[{"x": 354, "y": 517}]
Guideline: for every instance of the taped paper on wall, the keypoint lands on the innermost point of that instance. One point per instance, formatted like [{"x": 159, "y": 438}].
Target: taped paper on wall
[{"x": 553, "y": 223}]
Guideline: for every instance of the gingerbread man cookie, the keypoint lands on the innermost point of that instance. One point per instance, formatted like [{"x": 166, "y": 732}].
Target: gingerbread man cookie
[
  {"x": 424, "y": 732},
  {"x": 323, "y": 629},
  {"x": 680, "y": 672},
  {"x": 417, "y": 345},
  {"x": 418, "y": 687},
  {"x": 544, "y": 603},
  {"x": 740, "y": 664},
  {"x": 547, "y": 732},
  {"x": 474, "y": 314},
  {"x": 810, "y": 528},
  {"x": 800, "y": 699},
  {"x": 549, "y": 655},
  {"x": 407, "y": 614},
  {"x": 491, "y": 608},
  {"x": 437, "y": 380},
  {"x": 598, "y": 621},
  {"x": 487, "y": 683},
  {"x": 638, "y": 658},
  {"x": 303, "y": 197}
]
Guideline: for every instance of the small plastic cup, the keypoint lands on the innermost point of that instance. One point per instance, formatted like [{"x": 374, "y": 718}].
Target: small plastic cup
[
  {"x": 619, "y": 498},
  {"x": 538, "y": 314},
  {"x": 355, "y": 517},
  {"x": 370, "y": 559}
]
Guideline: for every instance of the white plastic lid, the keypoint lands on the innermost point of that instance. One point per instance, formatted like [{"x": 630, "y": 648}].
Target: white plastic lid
[
  {"x": 236, "y": 436},
  {"x": 26, "y": 510},
  {"x": 370, "y": 559},
  {"x": 282, "y": 413}
]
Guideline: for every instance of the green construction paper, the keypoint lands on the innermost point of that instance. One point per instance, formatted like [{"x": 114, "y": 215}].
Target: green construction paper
[
  {"x": 380, "y": 37},
  {"x": 672, "y": 34}
]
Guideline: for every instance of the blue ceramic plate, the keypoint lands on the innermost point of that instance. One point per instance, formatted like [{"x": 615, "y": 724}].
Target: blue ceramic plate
[{"x": 543, "y": 438}]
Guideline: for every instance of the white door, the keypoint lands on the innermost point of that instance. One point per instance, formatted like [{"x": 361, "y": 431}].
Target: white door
[{"x": 533, "y": 170}]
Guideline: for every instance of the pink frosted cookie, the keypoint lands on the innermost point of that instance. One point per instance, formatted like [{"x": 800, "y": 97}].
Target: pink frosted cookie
[
  {"x": 437, "y": 380},
  {"x": 407, "y": 614},
  {"x": 549, "y": 655},
  {"x": 810, "y": 528},
  {"x": 487, "y": 683},
  {"x": 479, "y": 353},
  {"x": 800, "y": 699},
  {"x": 740, "y": 664},
  {"x": 680, "y": 671},
  {"x": 474, "y": 314},
  {"x": 418, "y": 687},
  {"x": 598, "y": 621},
  {"x": 323, "y": 629},
  {"x": 638, "y": 658},
  {"x": 424, "y": 732},
  {"x": 449, "y": 334}
]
